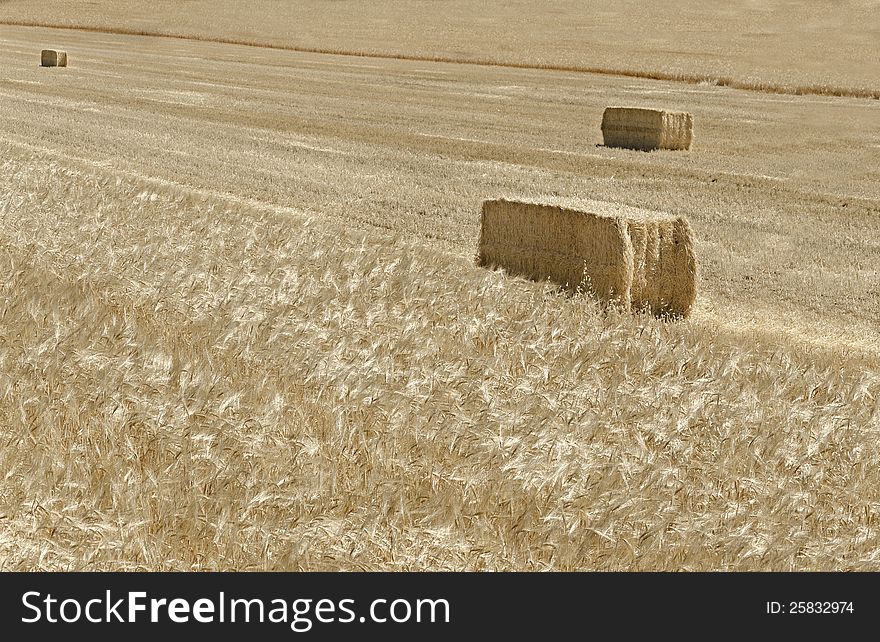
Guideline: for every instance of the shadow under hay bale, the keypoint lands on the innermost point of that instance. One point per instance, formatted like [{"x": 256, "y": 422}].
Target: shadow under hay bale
[
  {"x": 632, "y": 258},
  {"x": 53, "y": 58},
  {"x": 647, "y": 129}
]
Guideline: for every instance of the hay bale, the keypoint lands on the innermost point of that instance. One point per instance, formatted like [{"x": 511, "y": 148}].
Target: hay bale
[
  {"x": 543, "y": 241},
  {"x": 647, "y": 129},
  {"x": 53, "y": 58},
  {"x": 632, "y": 258}
]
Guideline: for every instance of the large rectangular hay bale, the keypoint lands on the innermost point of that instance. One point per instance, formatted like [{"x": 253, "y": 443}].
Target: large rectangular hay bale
[
  {"x": 633, "y": 258},
  {"x": 647, "y": 129},
  {"x": 53, "y": 58}
]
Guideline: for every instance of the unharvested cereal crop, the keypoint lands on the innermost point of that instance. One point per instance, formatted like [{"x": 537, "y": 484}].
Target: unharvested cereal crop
[
  {"x": 191, "y": 384},
  {"x": 241, "y": 327}
]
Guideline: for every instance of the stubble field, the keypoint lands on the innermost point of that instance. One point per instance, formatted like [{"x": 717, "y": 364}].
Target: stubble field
[{"x": 242, "y": 328}]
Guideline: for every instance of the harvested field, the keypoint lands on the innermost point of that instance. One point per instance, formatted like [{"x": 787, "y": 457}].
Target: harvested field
[
  {"x": 242, "y": 328},
  {"x": 789, "y": 46}
]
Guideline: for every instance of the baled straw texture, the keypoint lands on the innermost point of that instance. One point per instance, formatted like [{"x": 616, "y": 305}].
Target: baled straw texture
[
  {"x": 632, "y": 258},
  {"x": 647, "y": 129},
  {"x": 53, "y": 58},
  {"x": 542, "y": 241},
  {"x": 664, "y": 265}
]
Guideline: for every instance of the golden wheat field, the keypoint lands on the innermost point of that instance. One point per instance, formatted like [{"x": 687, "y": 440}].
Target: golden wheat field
[{"x": 243, "y": 328}]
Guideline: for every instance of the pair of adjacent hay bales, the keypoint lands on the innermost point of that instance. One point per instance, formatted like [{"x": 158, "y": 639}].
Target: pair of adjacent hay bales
[
  {"x": 632, "y": 258},
  {"x": 53, "y": 58},
  {"x": 647, "y": 129}
]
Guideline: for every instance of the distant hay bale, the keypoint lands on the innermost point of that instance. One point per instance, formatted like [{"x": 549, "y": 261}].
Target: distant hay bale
[
  {"x": 647, "y": 129},
  {"x": 53, "y": 58},
  {"x": 632, "y": 258}
]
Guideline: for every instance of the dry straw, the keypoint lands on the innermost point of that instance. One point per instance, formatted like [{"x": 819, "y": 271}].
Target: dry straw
[
  {"x": 647, "y": 129},
  {"x": 633, "y": 258},
  {"x": 53, "y": 58}
]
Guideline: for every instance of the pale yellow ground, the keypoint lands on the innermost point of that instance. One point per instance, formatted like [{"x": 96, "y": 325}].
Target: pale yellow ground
[
  {"x": 243, "y": 329},
  {"x": 795, "y": 44},
  {"x": 783, "y": 192}
]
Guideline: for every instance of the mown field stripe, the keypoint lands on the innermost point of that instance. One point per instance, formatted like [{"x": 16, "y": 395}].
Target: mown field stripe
[{"x": 692, "y": 79}]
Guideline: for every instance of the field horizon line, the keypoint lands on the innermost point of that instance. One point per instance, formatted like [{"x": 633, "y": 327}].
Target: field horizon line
[{"x": 691, "y": 79}]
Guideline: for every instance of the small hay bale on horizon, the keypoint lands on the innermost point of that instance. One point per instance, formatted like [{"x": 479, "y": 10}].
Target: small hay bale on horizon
[
  {"x": 53, "y": 58},
  {"x": 627, "y": 257},
  {"x": 647, "y": 129}
]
